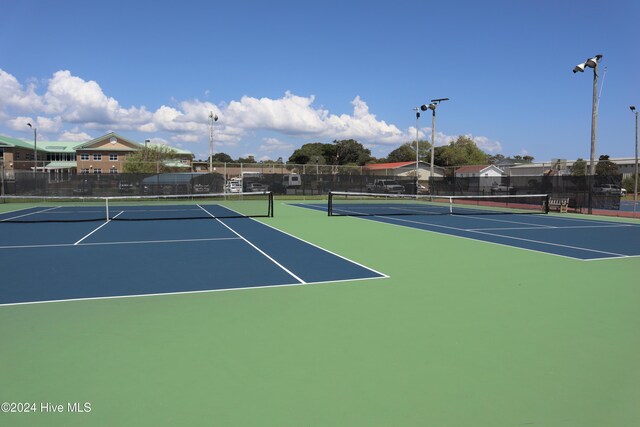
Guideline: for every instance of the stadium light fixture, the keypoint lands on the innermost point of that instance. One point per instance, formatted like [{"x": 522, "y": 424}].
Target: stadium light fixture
[
  {"x": 213, "y": 118},
  {"x": 635, "y": 168},
  {"x": 35, "y": 148},
  {"x": 592, "y": 63},
  {"x": 432, "y": 106}
]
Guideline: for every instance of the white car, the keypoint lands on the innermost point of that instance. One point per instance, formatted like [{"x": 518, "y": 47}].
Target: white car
[
  {"x": 256, "y": 187},
  {"x": 611, "y": 189}
]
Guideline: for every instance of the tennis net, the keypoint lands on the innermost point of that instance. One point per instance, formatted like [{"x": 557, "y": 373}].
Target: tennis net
[
  {"x": 26, "y": 209},
  {"x": 368, "y": 204}
]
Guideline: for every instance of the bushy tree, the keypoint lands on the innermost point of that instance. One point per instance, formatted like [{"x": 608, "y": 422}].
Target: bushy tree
[
  {"x": 462, "y": 151},
  {"x": 606, "y": 167},
  {"x": 407, "y": 152},
  {"x": 579, "y": 167},
  {"x": 222, "y": 158},
  {"x": 149, "y": 159},
  {"x": 351, "y": 152},
  {"x": 309, "y": 153}
]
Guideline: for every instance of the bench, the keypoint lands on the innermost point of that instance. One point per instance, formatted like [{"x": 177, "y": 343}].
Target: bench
[{"x": 561, "y": 204}]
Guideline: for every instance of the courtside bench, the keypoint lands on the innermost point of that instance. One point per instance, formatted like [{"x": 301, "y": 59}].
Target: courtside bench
[{"x": 560, "y": 204}]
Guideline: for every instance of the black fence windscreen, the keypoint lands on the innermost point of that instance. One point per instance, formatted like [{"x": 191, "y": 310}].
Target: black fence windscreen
[{"x": 599, "y": 192}]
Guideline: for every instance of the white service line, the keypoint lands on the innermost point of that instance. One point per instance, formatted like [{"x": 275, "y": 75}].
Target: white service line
[
  {"x": 30, "y": 213},
  {"x": 506, "y": 237},
  {"x": 108, "y": 221},
  {"x": 289, "y": 272},
  {"x": 138, "y": 242}
]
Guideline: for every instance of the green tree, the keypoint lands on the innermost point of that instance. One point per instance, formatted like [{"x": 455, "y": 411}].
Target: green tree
[
  {"x": 629, "y": 183},
  {"x": 249, "y": 159},
  {"x": 222, "y": 158},
  {"x": 309, "y": 153},
  {"x": 149, "y": 159},
  {"x": 462, "y": 151},
  {"x": 579, "y": 167},
  {"x": 350, "y": 152},
  {"x": 606, "y": 167},
  {"x": 493, "y": 159},
  {"x": 407, "y": 152}
]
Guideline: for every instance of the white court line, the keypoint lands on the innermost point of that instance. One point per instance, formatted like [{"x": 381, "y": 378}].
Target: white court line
[
  {"x": 499, "y": 244},
  {"x": 287, "y": 285},
  {"x": 568, "y": 227},
  {"x": 30, "y": 213},
  {"x": 289, "y": 272},
  {"x": 108, "y": 221},
  {"x": 509, "y": 222},
  {"x": 139, "y": 242},
  {"x": 325, "y": 250},
  {"x": 549, "y": 243}
]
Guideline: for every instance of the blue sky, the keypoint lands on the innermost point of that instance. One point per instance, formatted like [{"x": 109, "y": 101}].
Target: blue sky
[{"x": 283, "y": 73}]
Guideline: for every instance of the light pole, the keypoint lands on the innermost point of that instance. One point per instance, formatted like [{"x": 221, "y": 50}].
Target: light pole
[
  {"x": 592, "y": 63},
  {"x": 213, "y": 118},
  {"x": 432, "y": 106},
  {"x": 635, "y": 168},
  {"x": 417, "y": 110},
  {"x": 35, "y": 149}
]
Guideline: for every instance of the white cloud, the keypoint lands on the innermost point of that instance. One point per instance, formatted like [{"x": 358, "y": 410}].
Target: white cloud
[
  {"x": 272, "y": 144},
  {"x": 13, "y": 96},
  {"x": 485, "y": 144},
  {"x": 74, "y": 136},
  {"x": 71, "y": 105}
]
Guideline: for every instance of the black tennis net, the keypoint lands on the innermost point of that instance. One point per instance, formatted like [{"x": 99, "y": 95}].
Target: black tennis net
[
  {"x": 26, "y": 209},
  {"x": 367, "y": 204}
]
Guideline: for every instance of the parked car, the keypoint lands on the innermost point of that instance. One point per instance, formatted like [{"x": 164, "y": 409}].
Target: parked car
[
  {"x": 385, "y": 186},
  {"x": 502, "y": 189},
  {"x": 256, "y": 187},
  {"x": 610, "y": 189}
]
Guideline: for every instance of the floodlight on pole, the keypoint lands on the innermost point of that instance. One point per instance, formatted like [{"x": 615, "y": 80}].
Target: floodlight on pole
[
  {"x": 635, "y": 168},
  {"x": 35, "y": 148},
  {"x": 432, "y": 106},
  {"x": 592, "y": 63},
  {"x": 213, "y": 118}
]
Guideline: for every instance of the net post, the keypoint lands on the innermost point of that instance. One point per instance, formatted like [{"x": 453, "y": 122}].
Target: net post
[
  {"x": 450, "y": 205},
  {"x": 271, "y": 204},
  {"x": 330, "y": 204},
  {"x": 106, "y": 199}
]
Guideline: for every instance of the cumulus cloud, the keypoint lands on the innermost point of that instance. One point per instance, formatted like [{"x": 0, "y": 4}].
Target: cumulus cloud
[
  {"x": 485, "y": 144},
  {"x": 72, "y": 106},
  {"x": 74, "y": 136},
  {"x": 272, "y": 144}
]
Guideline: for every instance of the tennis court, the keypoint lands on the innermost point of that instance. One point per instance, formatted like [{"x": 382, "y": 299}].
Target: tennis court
[
  {"x": 503, "y": 220},
  {"x": 148, "y": 251},
  {"x": 455, "y": 330}
]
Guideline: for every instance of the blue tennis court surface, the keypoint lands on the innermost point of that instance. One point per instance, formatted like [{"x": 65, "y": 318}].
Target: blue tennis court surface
[
  {"x": 579, "y": 238},
  {"x": 78, "y": 260}
]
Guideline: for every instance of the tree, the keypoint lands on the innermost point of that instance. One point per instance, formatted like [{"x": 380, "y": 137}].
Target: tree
[
  {"x": 462, "y": 151},
  {"x": 249, "y": 159},
  {"x": 407, "y": 152},
  {"x": 606, "y": 167},
  {"x": 309, "y": 153},
  {"x": 222, "y": 158},
  {"x": 579, "y": 167},
  {"x": 149, "y": 159},
  {"x": 493, "y": 159},
  {"x": 528, "y": 159},
  {"x": 350, "y": 152}
]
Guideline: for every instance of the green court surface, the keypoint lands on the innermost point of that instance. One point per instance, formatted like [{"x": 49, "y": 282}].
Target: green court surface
[{"x": 462, "y": 333}]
